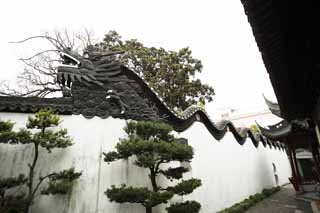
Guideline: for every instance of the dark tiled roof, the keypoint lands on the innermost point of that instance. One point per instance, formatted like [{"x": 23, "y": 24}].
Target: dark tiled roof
[
  {"x": 277, "y": 131},
  {"x": 34, "y": 104},
  {"x": 287, "y": 38}
]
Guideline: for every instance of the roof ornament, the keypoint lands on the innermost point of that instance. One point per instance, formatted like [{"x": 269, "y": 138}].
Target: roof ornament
[{"x": 273, "y": 107}]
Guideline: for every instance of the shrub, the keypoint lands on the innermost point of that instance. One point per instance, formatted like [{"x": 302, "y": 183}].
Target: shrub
[{"x": 248, "y": 202}]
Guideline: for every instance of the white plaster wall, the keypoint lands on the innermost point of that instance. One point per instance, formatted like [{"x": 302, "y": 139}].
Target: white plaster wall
[
  {"x": 91, "y": 137},
  {"x": 229, "y": 172}
]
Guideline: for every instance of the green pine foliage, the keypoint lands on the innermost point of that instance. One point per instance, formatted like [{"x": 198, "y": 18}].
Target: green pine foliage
[
  {"x": 7, "y": 183},
  {"x": 152, "y": 145},
  {"x": 61, "y": 182},
  {"x": 8, "y": 136},
  {"x": 141, "y": 195},
  {"x": 186, "y": 186},
  {"x": 6, "y": 126},
  {"x": 38, "y": 134},
  {"x": 171, "y": 73},
  {"x": 174, "y": 173},
  {"x": 185, "y": 207}
]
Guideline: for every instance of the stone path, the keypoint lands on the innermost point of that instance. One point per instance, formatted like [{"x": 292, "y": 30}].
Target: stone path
[{"x": 281, "y": 202}]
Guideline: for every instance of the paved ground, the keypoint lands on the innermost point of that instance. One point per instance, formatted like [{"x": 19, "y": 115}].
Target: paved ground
[{"x": 281, "y": 202}]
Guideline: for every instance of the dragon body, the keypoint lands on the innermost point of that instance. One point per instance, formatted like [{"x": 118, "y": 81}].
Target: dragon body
[{"x": 101, "y": 86}]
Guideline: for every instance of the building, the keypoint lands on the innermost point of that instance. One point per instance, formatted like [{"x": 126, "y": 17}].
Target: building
[{"x": 288, "y": 42}]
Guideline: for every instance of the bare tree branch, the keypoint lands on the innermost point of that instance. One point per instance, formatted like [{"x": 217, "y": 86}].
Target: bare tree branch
[
  {"x": 37, "y": 54},
  {"x": 38, "y": 77},
  {"x": 53, "y": 41}
]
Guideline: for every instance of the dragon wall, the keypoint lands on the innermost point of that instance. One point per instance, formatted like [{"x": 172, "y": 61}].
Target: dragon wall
[
  {"x": 230, "y": 172},
  {"x": 232, "y": 162}
]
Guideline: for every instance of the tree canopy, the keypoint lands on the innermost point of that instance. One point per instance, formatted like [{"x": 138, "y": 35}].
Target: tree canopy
[
  {"x": 153, "y": 145},
  {"x": 171, "y": 73}
]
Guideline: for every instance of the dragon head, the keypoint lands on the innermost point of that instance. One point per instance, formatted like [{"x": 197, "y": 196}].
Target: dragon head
[{"x": 89, "y": 68}]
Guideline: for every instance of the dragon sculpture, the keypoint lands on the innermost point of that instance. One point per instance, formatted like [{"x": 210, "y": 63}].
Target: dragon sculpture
[
  {"x": 90, "y": 69},
  {"x": 101, "y": 86},
  {"x": 97, "y": 84}
]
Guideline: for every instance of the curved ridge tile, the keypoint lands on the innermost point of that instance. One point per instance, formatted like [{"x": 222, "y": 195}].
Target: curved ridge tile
[
  {"x": 94, "y": 87},
  {"x": 179, "y": 121},
  {"x": 184, "y": 120}
]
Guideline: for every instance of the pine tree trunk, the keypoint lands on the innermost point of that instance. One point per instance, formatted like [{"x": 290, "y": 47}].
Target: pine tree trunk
[
  {"x": 31, "y": 175},
  {"x": 148, "y": 209},
  {"x": 153, "y": 181}
]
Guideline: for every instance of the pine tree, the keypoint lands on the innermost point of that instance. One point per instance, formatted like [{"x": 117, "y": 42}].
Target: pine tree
[
  {"x": 43, "y": 135},
  {"x": 153, "y": 145}
]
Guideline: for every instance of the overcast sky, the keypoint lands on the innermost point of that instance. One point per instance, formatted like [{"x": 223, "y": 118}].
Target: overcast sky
[{"x": 217, "y": 31}]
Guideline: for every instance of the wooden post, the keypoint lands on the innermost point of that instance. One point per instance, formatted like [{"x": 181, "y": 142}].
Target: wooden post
[
  {"x": 316, "y": 143},
  {"x": 296, "y": 165},
  {"x": 294, "y": 174},
  {"x": 314, "y": 148}
]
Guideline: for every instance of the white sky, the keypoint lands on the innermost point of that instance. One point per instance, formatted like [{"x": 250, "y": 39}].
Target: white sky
[{"x": 217, "y": 31}]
